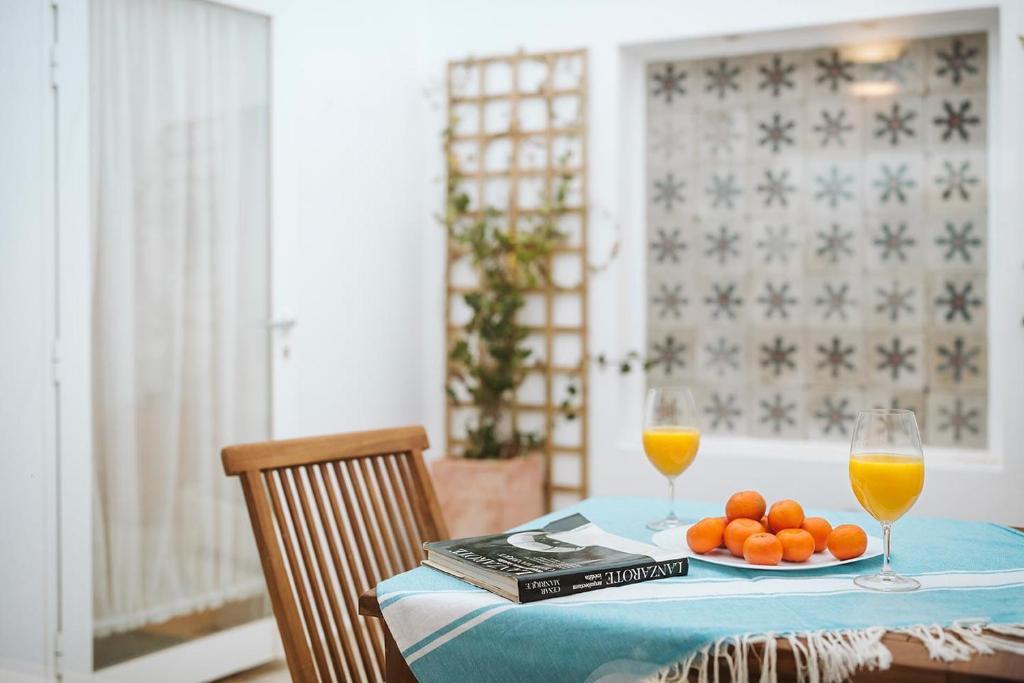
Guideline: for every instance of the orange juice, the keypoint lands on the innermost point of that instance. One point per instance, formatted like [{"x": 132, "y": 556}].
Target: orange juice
[
  {"x": 671, "y": 449},
  {"x": 886, "y": 485}
]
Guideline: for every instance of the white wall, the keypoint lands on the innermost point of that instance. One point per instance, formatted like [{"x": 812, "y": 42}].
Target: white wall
[
  {"x": 615, "y": 33},
  {"x": 26, "y": 391}
]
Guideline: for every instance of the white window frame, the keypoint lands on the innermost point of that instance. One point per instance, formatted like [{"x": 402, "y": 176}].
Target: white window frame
[{"x": 981, "y": 474}]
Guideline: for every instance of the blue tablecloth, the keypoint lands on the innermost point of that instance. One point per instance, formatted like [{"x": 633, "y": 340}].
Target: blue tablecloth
[{"x": 973, "y": 590}]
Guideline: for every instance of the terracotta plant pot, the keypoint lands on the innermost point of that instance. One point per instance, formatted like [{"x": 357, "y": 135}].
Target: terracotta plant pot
[{"x": 488, "y": 496}]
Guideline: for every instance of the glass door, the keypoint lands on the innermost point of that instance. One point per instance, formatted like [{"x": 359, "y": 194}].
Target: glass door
[{"x": 181, "y": 343}]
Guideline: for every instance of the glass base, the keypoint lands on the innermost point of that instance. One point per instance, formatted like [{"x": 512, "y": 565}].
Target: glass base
[
  {"x": 887, "y": 582},
  {"x": 670, "y": 522}
]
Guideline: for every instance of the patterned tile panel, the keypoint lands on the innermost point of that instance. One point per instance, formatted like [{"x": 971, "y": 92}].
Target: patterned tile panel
[{"x": 818, "y": 237}]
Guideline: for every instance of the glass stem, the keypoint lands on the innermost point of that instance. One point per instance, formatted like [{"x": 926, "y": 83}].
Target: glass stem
[
  {"x": 886, "y": 548},
  {"x": 671, "y": 499}
]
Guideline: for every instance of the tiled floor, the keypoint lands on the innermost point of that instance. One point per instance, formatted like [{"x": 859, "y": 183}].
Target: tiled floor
[{"x": 274, "y": 672}]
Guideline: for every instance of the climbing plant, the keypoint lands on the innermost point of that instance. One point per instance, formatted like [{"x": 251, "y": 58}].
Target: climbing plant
[{"x": 489, "y": 358}]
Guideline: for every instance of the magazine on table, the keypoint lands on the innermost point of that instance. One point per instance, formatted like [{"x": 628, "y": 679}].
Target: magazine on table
[{"x": 569, "y": 555}]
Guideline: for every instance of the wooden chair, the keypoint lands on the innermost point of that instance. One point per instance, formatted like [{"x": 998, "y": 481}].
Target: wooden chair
[{"x": 333, "y": 516}]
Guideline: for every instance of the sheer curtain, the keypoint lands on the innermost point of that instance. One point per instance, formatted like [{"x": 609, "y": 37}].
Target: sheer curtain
[{"x": 180, "y": 301}]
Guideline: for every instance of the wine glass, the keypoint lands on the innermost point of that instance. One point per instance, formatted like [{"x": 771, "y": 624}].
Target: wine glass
[
  {"x": 887, "y": 475},
  {"x": 671, "y": 439}
]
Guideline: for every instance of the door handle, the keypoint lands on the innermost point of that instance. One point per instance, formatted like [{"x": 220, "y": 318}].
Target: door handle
[{"x": 281, "y": 324}]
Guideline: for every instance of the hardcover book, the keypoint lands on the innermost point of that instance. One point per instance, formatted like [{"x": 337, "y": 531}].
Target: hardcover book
[{"x": 570, "y": 555}]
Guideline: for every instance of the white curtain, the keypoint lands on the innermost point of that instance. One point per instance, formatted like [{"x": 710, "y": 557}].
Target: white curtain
[{"x": 180, "y": 301}]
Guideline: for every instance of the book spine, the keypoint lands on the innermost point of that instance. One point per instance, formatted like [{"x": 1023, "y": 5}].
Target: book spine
[{"x": 532, "y": 589}]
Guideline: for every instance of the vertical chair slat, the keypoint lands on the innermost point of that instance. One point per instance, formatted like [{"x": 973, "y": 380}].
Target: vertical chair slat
[
  {"x": 337, "y": 633},
  {"x": 351, "y": 551},
  {"x": 373, "y": 493},
  {"x": 413, "y": 533},
  {"x": 346, "y": 582},
  {"x": 335, "y": 514},
  {"x": 426, "y": 489},
  {"x": 323, "y": 634},
  {"x": 401, "y": 536},
  {"x": 420, "y": 509},
  {"x": 373, "y": 572},
  {"x": 255, "y": 491},
  {"x": 372, "y": 530},
  {"x": 298, "y": 578},
  {"x": 425, "y": 494}
]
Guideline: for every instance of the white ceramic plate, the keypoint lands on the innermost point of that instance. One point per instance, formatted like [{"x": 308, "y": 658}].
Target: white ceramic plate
[{"x": 675, "y": 539}]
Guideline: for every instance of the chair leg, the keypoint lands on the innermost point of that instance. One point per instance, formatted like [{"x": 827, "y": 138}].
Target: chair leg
[{"x": 396, "y": 670}]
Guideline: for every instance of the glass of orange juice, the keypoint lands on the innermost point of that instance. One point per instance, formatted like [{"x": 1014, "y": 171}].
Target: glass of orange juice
[
  {"x": 887, "y": 475},
  {"x": 671, "y": 439}
]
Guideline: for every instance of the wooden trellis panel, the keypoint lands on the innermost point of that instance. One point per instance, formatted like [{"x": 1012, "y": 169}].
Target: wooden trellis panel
[{"x": 518, "y": 122}]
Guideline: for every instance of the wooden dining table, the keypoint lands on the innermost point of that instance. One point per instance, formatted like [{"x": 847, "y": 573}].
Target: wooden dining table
[{"x": 910, "y": 660}]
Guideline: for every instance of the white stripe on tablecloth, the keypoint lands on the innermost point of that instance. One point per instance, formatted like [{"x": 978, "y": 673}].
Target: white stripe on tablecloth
[
  {"x": 475, "y": 621},
  {"x": 416, "y": 617}
]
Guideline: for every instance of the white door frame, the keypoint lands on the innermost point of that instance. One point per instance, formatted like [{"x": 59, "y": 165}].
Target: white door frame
[{"x": 232, "y": 649}]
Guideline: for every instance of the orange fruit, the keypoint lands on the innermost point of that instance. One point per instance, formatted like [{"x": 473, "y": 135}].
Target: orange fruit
[
  {"x": 745, "y": 505},
  {"x": 705, "y": 535},
  {"x": 819, "y": 528},
  {"x": 764, "y": 521},
  {"x": 797, "y": 544},
  {"x": 762, "y": 549},
  {"x": 725, "y": 523},
  {"x": 737, "y": 531},
  {"x": 785, "y": 514},
  {"x": 847, "y": 541}
]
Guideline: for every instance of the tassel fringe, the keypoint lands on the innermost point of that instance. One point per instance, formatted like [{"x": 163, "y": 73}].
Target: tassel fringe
[{"x": 834, "y": 656}]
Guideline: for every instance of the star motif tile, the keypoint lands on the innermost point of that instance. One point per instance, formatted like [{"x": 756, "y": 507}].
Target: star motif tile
[
  {"x": 722, "y": 190},
  {"x": 777, "y": 300},
  {"x": 956, "y": 63},
  {"x": 723, "y": 78},
  {"x": 776, "y": 356},
  {"x": 778, "y": 76},
  {"x": 724, "y": 410},
  {"x": 894, "y": 183},
  {"x": 669, "y": 85},
  {"x": 957, "y": 419},
  {"x": 957, "y": 299},
  {"x": 833, "y": 300},
  {"x": 895, "y": 359},
  {"x": 777, "y": 413},
  {"x": 836, "y": 357},
  {"x": 776, "y": 246},
  {"x": 896, "y": 300},
  {"x": 832, "y": 412},
  {"x": 833, "y": 127},
  {"x": 956, "y": 181},
  {"x": 957, "y": 242},
  {"x": 958, "y": 361},
  {"x": 721, "y": 355},
  {"x": 955, "y": 120}
]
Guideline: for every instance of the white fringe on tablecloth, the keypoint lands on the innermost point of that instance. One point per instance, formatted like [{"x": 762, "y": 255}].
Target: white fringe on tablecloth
[{"x": 834, "y": 656}]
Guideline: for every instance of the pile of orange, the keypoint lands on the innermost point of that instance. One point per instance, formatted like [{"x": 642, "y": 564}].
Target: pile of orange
[{"x": 783, "y": 534}]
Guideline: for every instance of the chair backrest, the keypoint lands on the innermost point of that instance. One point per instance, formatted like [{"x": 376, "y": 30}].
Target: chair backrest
[{"x": 333, "y": 516}]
